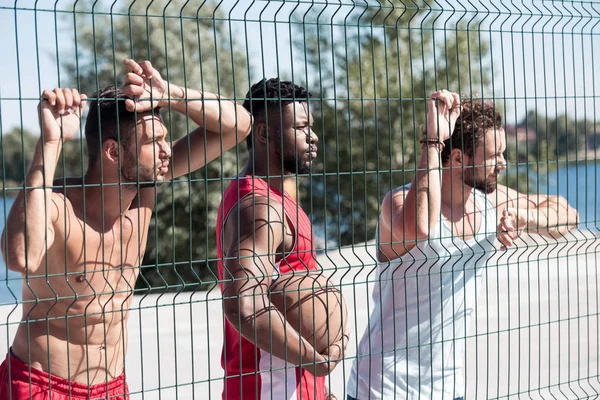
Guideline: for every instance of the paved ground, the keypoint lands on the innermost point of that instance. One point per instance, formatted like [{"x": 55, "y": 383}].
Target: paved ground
[{"x": 535, "y": 333}]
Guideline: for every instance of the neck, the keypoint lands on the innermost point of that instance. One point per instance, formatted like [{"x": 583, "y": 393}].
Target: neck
[
  {"x": 106, "y": 199},
  {"x": 455, "y": 193},
  {"x": 274, "y": 174}
]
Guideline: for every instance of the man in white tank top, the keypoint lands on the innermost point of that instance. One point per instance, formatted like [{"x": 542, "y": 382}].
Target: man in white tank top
[{"x": 434, "y": 236}]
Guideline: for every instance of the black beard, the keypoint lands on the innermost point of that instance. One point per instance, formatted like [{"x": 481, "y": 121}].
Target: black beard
[
  {"x": 132, "y": 172},
  {"x": 292, "y": 162},
  {"x": 296, "y": 165},
  {"x": 482, "y": 185}
]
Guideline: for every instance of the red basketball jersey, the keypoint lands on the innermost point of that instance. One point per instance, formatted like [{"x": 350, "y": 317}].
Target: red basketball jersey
[{"x": 251, "y": 373}]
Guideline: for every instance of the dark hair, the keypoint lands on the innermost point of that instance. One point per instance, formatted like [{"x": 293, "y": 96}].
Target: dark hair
[
  {"x": 476, "y": 118},
  {"x": 110, "y": 117},
  {"x": 269, "y": 96}
]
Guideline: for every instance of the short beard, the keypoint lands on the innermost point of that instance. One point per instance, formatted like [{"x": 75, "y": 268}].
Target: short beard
[
  {"x": 483, "y": 185},
  {"x": 292, "y": 162},
  {"x": 132, "y": 172}
]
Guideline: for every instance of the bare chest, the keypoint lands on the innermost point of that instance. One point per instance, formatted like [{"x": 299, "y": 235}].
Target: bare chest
[{"x": 99, "y": 257}]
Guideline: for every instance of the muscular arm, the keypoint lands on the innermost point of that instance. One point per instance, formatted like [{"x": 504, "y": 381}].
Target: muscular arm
[
  {"x": 250, "y": 253},
  {"x": 29, "y": 230},
  {"x": 550, "y": 216},
  {"x": 408, "y": 217},
  {"x": 222, "y": 124},
  {"x": 27, "y": 236}
]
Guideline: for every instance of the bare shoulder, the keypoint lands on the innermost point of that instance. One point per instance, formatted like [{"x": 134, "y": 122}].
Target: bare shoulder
[
  {"x": 393, "y": 200},
  {"x": 255, "y": 208},
  {"x": 66, "y": 199},
  {"x": 255, "y": 222}
]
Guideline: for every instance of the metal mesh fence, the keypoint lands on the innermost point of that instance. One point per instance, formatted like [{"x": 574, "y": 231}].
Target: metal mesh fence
[{"x": 160, "y": 231}]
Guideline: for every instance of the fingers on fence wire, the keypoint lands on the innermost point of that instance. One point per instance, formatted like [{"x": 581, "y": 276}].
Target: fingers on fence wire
[
  {"x": 134, "y": 67},
  {"x": 65, "y": 101},
  {"x": 145, "y": 86},
  {"x": 508, "y": 229},
  {"x": 508, "y": 220},
  {"x": 144, "y": 69},
  {"x": 444, "y": 108},
  {"x": 60, "y": 112}
]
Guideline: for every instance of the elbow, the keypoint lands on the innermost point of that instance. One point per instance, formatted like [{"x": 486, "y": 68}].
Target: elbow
[
  {"x": 4, "y": 248},
  {"x": 17, "y": 266},
  {"x": 239, "y": 123},
  {"x": 423, "y": 231},
  {"x": 14, "y": 258},
  {"x": 15, "y": 262},
  {"x": 244, "y": 134},
  {"x": 422, "y": 234},
  {"x": 231, "y": 310},
  {"x": 574, "y": 219},
  {"x": 238, "y": 311}
]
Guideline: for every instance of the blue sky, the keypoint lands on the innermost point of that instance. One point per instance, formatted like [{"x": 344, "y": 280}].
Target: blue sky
[{"x": 529, "y": 69}]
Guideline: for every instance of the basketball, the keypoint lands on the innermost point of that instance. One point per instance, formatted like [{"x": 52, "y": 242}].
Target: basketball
[{"x": 312, "y": 305}]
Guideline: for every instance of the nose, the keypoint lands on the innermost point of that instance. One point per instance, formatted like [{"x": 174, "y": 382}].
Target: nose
[
  {"x": 501, "y": 163},
  {"x": 312, "y": 136},
  {"x": 165, "y": 149}
]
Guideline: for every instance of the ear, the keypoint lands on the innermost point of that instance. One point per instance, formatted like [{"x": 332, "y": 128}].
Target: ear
[
  {"x": 110, "y": 150},
  {"x": 260, "y": 133},
  {"x": 456, "y": 158}
]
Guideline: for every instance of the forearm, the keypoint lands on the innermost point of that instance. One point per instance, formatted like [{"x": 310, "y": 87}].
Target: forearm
[
  {"x": 552, "y": 217},
  {"x": 261, "y": 323},
  {"x": 222, "y": 125},
  {"x": 28, "y": 233},
  {"x": 423, "y": 201},
  {"x": 210, "y": 112}
]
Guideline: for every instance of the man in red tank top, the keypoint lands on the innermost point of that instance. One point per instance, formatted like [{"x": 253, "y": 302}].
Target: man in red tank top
[{"x": 261, "y": 233}]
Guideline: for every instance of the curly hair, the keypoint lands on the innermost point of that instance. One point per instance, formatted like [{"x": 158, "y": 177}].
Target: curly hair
[
  {"x": 270, "y": 96},
  {"x": 477, "y": 117}
]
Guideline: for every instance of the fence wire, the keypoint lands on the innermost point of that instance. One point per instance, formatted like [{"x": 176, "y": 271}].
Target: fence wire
[{"x": 199, "y": 230}]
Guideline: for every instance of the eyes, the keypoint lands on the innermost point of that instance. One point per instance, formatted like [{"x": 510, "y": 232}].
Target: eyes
[
  {"x": 157, "y": 139},
  {"x": 303, "y": 128},
  {"x": 497, "y": 155}
]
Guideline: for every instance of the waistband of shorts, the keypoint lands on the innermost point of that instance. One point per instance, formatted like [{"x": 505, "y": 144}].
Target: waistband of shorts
[{"x": 21, "y": 371}]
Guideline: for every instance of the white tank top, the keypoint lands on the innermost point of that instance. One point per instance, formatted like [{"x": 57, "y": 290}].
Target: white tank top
[{"x": 413, "y": 346}]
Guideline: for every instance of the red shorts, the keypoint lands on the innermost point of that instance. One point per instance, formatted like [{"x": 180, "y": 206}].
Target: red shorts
[{"x": 34, "y": 384}]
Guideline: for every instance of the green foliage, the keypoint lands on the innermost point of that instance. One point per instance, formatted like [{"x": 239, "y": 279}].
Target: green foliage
[
  {"x": 18, "y": 146},
  {"x": 17, "y": 150},
  {"x": 379, "y": 69},
  {"x": 539, "y": 144}
]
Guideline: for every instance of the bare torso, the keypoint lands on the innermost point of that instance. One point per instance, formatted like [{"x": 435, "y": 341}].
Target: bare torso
[{"x": 75, "y": 309}]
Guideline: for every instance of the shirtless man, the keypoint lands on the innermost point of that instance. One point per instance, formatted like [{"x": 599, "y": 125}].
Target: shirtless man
[{"x": 72, "y": 341}]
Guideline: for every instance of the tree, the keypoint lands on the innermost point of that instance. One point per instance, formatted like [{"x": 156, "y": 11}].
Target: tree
[
  {"x": 17, "y": 147},
  {"x": 373, "y": 67},
  {"x": 549, "y": 140},
  {"x": 192, "y": 46},
  {"x": 17, "y": 151}
]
